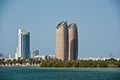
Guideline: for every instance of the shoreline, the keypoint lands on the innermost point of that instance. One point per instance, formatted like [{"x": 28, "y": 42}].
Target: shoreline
[
  {"x": 20, "y": 65},
  {"x": 53, "y": 67}
]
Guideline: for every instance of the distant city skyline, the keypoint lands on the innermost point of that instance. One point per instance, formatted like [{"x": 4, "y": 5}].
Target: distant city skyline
[{"x": 98, "y": 24}]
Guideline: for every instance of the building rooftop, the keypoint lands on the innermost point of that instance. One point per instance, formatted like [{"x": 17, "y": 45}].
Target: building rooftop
[
  {"x": 62, "y": 24},
  {"x": 72, "y": 25},
  {"x": 23, "y": 31}
]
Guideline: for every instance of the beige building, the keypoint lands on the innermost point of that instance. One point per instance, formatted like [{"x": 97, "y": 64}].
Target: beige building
[
  {"x": 66, "y": 41},
  {"x": 73, "y": 42},
  {"x": 62, "y": 41}
]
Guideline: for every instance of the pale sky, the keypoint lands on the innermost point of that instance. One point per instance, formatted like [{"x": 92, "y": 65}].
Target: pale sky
[{"x": 98, "y": 24}]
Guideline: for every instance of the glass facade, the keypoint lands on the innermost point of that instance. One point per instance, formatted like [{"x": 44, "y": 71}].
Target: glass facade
[{"x": 25, "y": 45}]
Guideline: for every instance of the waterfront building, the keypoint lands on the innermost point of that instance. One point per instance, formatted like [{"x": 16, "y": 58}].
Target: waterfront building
[
  {"x": 62, "y": 41},
  {"x": 9, "y": 57},
  {"x": 34, "y": 53},
  {"x": 66, "y": 41},
  {"x": 43, "y": 57},
  {"x": 23, "y": 48},
  {"x": 73, "y": 42}
]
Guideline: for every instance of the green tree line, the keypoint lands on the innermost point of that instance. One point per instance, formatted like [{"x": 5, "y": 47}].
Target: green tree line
[{"x": 81, "y": 63}]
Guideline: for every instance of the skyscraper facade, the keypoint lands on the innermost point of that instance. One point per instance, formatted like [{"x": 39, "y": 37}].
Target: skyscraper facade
[
  {"x": 73, "y": 42},
  {"x": 23, "y": 49},
  {"x": 66, "y": 41},
  {"x": 62, "y": 41}
]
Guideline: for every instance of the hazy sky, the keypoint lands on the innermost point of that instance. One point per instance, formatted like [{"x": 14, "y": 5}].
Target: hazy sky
[{"x": 98, "y": 24}]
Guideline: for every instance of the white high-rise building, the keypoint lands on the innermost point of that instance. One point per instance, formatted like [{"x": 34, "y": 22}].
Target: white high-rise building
[
  {"x": 16, "y": 54},
  {"x": 23, "y": 48}
]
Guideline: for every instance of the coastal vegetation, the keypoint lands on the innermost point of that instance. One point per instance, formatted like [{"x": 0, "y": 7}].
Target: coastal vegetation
[
  {"x": 82, "y": 63},
  {"x": 59, "y": 63}
]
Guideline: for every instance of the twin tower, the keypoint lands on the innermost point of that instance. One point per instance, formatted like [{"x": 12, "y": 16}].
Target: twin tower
[{"x": 66, "y": 41}]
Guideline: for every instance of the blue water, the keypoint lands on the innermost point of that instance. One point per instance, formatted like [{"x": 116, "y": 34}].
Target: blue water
[{"x": 37, "y": 73}]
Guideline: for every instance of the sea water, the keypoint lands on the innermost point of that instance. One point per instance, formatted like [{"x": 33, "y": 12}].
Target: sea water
[{"x": 38, "y": 73}]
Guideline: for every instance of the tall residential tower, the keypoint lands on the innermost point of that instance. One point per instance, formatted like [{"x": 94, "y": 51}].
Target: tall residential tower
[
  {"x": 66, "y": 41},
  {"x": 62, "y": 41},
  {"x": 73, "y": 42},
  {"x": 23, "y": 49}
]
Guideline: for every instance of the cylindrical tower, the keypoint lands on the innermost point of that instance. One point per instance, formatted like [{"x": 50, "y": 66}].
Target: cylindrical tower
[
  {"x": 62, "y": 41},
  {"x": 73, "y": 42}
]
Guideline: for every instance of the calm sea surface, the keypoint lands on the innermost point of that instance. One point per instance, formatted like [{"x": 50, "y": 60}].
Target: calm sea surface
[{"x": 37, "y": 73}]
